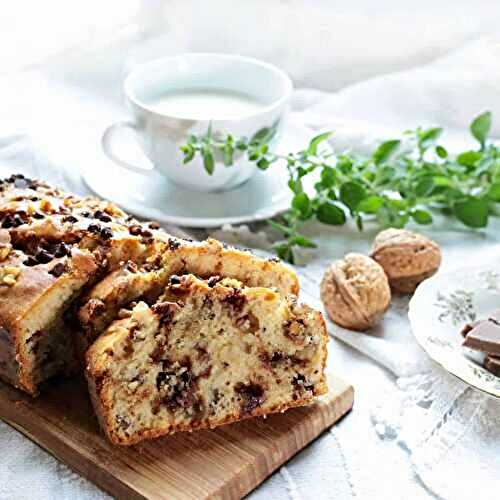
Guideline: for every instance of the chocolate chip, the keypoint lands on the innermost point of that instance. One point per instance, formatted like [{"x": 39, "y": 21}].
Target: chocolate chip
[
  {"x": 61, "y": 250},
  {"x": 235, "y": 299},
  {"x": 70, "y": 218},
  {"x": 300, "y": 384},
  {"x": 19, "y": 219},
  {"x": 122, "y": 422},
  {"x": 174, "y": 280},
  {"x": 252, "y": 396},
  {"x": 211, "y": 282},
  {"x": 177, "y": 386},
  {"x": 85, "y": 214},
  {"x": 135, "y": 230},
  {"x": 131, "y": 266},
  {"x": 59, "y": 269},
  {"x": 173, "y": 244},
  {"x": 43, "y": 256},
  {"x": 106, "y": 233},
  {"x": 154, "y": 225},
  {"x": 8, "y": 222},
  {"x": 30, "y": 261},
  {"x": 37, "y": 215},
  {"x": 94, "y": 228},
  {"x": 102, "y": 216}
]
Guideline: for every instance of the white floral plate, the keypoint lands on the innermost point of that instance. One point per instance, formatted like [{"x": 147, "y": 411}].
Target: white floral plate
[{"x": 440, "y": 308}]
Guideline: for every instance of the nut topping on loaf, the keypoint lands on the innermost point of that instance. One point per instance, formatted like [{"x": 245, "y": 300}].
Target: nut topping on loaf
[
  {"x": 52, "y": 246},
  {"x": 206, "y": 353}
]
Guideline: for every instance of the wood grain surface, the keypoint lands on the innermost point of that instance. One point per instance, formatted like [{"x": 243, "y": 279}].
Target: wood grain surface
[{"x": 224, "y": 463}]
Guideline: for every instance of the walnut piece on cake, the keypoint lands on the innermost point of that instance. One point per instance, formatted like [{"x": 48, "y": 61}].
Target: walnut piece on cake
[
  {"x": 408, "y": 258},
  {"x": 355, "y": 292},
  {"x": 205, "y": 354}
]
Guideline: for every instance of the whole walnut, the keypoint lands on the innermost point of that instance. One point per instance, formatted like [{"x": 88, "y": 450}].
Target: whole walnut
[
  {"x": 355, "y": 292},
  {"x": 408, "y": 258}
]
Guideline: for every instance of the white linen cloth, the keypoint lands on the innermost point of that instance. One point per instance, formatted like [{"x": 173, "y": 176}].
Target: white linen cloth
[{"x": 415, "y": 432}]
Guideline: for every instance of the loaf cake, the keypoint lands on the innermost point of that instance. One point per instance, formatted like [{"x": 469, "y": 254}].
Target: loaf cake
[
  {"x": 52, "y": 246},
  {"x": 175, "y": 335},
  {"x": 206, "y": 353}
]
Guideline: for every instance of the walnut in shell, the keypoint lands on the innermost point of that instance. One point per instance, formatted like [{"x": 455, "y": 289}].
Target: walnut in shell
[
  {"x": 407, "y": 258},
  {"x": 355, "y": 292}
]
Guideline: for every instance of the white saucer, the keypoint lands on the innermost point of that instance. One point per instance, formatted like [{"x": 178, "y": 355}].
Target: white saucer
[
  {"x": 441, "y": 307},
  {"x": 154, "y": 197}
]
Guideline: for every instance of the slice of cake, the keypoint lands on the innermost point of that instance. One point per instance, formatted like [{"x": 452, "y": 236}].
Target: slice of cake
[
  {"x": 205, "y": 354},
  {"x": 35, "y": 340},
  {"x": 146, "y": 282}
]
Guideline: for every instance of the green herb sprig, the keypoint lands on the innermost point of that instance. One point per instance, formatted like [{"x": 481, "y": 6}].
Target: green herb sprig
[{"x": 402, "y": 180}]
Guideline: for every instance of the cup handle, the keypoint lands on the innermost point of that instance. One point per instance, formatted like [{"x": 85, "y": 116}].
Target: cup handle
[{"x": 108, "y": 146}]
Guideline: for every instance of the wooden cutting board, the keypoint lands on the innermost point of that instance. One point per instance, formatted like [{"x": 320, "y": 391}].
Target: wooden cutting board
[{"x": 224, "y": 463}]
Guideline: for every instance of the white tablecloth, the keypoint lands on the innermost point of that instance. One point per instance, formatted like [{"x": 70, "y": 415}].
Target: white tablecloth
[{"x": 404, "y": 438}]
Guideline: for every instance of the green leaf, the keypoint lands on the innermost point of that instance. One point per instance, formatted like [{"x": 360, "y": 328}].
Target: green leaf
[
  {"x": 295, "y": 186},
  {"x": 385, "y": 151},
  {"x": 280, "y": 227},
  {"x": 302, "y": 241},
  {"x": 472, "y": 212},
  {"x": 316, "y": 141},
  {"x": 344, "y": 164},
  {"x": 351, "y": 193},
  {"x": 421, "y": 216},
  {"x": 441, "y": 152},
  {"x": 469, "y": 158},
  {"x": 480, "y": 127},
  {"x": 208, "y": 161},
  {"x": 188, "y": 151},
  {"x": 329, "y": 213},
  {"x": 494, "y": 192},
  {"x": 427, "y": 137},
  {"x": 263, "y": 163},
  {"x": 328, "y": 177},
  {"x": 431, "y": 134},
  {"x": 264, "y": 135},
  {"x": 424, "y": 187},
  {"x": 301, "y": 203},
  {"x": 370, "y": 205},
  {"x": 284, "y": 251},
  {"x": 254, "y": 155},
  {"x": 228, "y": 155}
]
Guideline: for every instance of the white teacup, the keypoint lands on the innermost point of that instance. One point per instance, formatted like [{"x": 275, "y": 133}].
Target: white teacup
[{"x": 164, "y": 97}]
